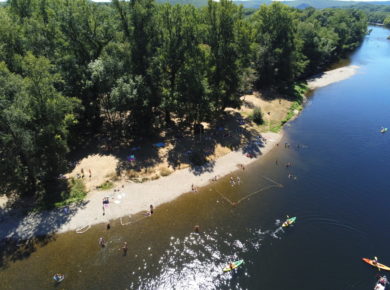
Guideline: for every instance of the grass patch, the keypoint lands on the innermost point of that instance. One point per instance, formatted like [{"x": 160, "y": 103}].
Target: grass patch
[
  {"x": 295, "y": 107},
  {"x": 106, "y": 186},
  {"x": 75, "y": 192}
]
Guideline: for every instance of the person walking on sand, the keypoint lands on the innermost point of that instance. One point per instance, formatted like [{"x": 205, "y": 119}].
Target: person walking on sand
[
  {"x": 90, "y": 173},
  {"x": 82, "y": 173},
  {"x": 151, "y": 209}
]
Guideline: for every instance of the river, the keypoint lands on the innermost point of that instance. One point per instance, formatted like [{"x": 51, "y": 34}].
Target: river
[{"x": 339, "y": 191}]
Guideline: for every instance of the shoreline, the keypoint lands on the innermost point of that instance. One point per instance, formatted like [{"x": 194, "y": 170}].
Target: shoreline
[{"x": 133, "y": 198}]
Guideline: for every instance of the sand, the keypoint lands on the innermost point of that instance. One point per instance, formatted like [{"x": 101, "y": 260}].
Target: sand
[
  {"x": 93, "y": 178},
  {"x": 132, "y": 198},
  {"x": 332, "y": 76}
]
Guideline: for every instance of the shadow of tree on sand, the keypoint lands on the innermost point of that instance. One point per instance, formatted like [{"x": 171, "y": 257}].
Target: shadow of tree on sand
[{"x": 196, "y": 150}]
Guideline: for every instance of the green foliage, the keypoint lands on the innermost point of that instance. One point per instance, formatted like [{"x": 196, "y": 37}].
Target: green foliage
[
  {"x": 386, "y": 22},
  {"x": 257, "y": 116},
  {"x": 294, "y": 109},
  {"x": 75, "y": 193},
  {"x": 107, "y": 185},
  {"x": 72, "y": 69}
]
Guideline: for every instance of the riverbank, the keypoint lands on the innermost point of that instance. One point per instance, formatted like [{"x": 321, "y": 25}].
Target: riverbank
[{"x": 130, "y": 198}]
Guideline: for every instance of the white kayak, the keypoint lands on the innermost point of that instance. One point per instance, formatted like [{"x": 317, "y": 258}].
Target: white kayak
[{"x": 381, "y": 283}]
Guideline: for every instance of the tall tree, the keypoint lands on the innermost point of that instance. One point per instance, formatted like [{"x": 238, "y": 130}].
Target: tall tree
[
  {"x": 276, "y": 56},
  {"x": 222, "y": 20},
  {"x": 34, "y": 124}
]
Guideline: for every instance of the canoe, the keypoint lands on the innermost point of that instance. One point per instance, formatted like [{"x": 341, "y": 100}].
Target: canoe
[
  {"x": 235, "y": 265},
  {"x": 378, "y": 265},
  {"x": 289, "y": 221}
]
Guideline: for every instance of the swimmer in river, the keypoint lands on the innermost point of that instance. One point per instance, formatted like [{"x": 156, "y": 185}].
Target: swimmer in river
[
  {"x": 196, "y": 229},
  {"x": 238, "y": 180}
]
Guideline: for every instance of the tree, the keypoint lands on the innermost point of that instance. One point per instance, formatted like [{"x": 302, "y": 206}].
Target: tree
[
  {"x": 34, "y": 124},
  {"x": 223, "y": 22},
  {"x": 276, "y": 59}
]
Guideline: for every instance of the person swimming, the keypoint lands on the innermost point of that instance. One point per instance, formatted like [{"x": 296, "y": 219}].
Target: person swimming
[{"x": 196, "y": 228}]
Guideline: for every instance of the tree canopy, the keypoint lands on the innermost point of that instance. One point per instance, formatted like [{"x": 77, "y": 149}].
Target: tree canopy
[{"x": 72, "y": 69}]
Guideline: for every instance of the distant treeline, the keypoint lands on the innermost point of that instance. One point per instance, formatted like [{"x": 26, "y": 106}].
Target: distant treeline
[
  {"x": 379, "y": 14},
  {"x": 70, "y": 70}
]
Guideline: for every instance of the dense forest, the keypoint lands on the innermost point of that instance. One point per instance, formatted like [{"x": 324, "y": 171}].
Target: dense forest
[
  {"x": 70, "y": 70},
  {"x": 379, "y": 14}
]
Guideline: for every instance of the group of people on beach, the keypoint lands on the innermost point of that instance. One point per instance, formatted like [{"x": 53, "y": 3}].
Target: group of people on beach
[{"x": 81, "y": 174}]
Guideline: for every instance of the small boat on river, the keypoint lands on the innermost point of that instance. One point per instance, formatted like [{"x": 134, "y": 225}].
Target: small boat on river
[{"x": 289, "y": 222}]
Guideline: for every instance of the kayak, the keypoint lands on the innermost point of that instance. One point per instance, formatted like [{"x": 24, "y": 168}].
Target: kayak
[
  {"x": 378, "y": 265},
  {"x": 381, "y": 283},
  {"x": 289, "y": 221},
  {"x": 383, "y": 130},
  {"x": 235, "y": 265}
]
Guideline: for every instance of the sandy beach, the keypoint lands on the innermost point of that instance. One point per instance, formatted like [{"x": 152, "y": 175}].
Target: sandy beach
[
  {"x": 332, "y": 76},
  {"x": 130, "y": 198}
]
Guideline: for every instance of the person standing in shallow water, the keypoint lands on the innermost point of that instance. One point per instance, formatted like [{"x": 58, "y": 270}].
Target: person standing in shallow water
[
  {"x": 124, "y": 248},
  {"x": 102, "y": 242},
  {"x": 151, "y": 209}
]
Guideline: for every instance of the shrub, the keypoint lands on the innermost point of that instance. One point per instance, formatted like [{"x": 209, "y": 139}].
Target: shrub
[
  {"x": 256, "y": 116},
  {"x": 106, "y": 185},
  {"x": 75, "y": 192}
]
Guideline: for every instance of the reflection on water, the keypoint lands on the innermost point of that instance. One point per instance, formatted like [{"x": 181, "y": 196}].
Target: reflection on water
[
  {"x": 340, "y": 197},
  {"x": 197, "y": 260}
]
